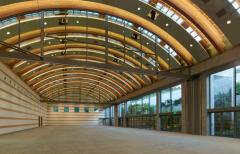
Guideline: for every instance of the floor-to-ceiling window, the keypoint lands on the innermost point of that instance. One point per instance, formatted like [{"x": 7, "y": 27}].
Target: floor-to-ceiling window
[
  {"x": 170, "y": 108},
  {"x": 224, "y": 100},
  {"x": 141, "y": 111}
]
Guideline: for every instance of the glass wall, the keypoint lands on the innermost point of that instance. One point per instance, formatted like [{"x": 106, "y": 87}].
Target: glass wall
[
  {"x": 238, "y": 86},
  {"x": 170, "y": 108},
  {"x": 143, "y": 105},
  {"x": 224, "y": 89},
  {"x": 141, "y": 111}
]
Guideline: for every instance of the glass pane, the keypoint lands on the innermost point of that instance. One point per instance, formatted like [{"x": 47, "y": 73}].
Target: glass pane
[
  {"x": 164, "y": 123},
  {"x": 123, "y": 108},
  {"x": 222, "y": 89},
  {"x": 238, "y": 124},
  {"x": 177, "y": 98},
  {"x": 222, "y": 124},
  {"x": 120, "y": 110},
  {"x": 165, "y": 101},
  {"x": 153, "y": 103},
  {"x": 112, "y": 111},
  {"x": 216, "y": 124},
  {"x": 66, "y": 109},
  {"x": 86, "y": 109},
  {"x": 55, "y": 108},
  {"x": 129, "y": 107},
  {"x": 76, "y": 109},
  {"x": 133, "y": 107},
  {"x": 139, "y": 106},
  {"x": 228, "y": 124},
  {"x": 96, "y": 109},
  {"x": 107, "y": 112},
  {"x": 145, "y": 106},
  {"x": 238, "y": 86}
]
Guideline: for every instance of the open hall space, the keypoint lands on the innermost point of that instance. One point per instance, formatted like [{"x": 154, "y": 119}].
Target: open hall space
[
  {"x": 119, "y": 76},
  {"x": 109, "y": 140}
]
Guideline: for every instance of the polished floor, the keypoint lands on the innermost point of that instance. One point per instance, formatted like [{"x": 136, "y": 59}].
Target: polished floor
[{"x": 110, "y": 140}]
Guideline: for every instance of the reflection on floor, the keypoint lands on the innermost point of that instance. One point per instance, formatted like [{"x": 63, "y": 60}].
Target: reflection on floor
[{"x": 110, "y": 140}]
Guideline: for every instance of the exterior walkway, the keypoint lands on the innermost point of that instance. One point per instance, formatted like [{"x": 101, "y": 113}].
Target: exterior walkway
[{"x": 110, "y": 140}]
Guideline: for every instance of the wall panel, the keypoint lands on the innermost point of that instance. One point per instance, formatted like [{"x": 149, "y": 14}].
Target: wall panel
[
  {"x": 20, "y": 107},
  {"x": 73, "y": 118}
]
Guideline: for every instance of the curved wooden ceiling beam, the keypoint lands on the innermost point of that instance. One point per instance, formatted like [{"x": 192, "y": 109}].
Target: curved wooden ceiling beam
[
  {"x": 94, "y": 96},
  {"x": 77, "y": 29},
  {"x": 52, "y": 70},
  {"x": 85, "y": 88},
  {"x": 113, "y": 91},
  {"x": 90, "y": 85},
  {"x": 134, "y": 77},
  {"x": 193, "y": 13},
  {"x": 73, "y": 78},
  {"x": 85, "y": 92},
  {"x": 29, "y": 6},
  {"x": 79, "y": 73},
  {"x": 99, "y": 48}
]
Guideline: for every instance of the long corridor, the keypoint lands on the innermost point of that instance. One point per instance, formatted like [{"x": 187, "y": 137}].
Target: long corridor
[{"x": 110, "y": 140}]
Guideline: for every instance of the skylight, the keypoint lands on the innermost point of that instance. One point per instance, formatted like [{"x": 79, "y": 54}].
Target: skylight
[{"x": 235, "y": 4}]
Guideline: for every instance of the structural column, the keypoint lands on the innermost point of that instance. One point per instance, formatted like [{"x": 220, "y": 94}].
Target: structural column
[
  {"x": 115, "y": 115},
  {"x": 194, "y": 110},
  {"x": 157, "y": 112},
  {"x": 124, "y": 115}
]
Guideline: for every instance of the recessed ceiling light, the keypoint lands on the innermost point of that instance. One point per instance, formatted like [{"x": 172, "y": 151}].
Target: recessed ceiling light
[
  {"x": 8, "y": 33},
  {"x": 191, "y": 45},
  {"x": 229, "y": 22},
  {"x": 45, "y": 23},
  {"x": 166, "y": 24},
  {"x": 139, "y": 9}
]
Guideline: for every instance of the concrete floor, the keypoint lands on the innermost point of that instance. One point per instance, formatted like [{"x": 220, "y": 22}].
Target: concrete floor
[{"x": 110, "y": 140}]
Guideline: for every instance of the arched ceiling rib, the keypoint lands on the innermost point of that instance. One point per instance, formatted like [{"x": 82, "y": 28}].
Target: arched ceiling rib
[
  {"x": 197, "y": 18},
  {"x": 77, "y": 29},
  {"x": 53, "y": 70}
]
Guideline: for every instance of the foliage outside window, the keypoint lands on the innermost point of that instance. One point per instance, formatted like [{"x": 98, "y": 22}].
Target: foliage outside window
[
  {"x": 96, "y": 109},
  {"x": 55, "y": 109},
  {"x": 238, "y": 85},
  {"x": 66, "y": 109},
  {"x": 153, "y": 103},
  {"x": 107, "y": 112},
  {"x": 224, "y": 88},
  {"x": 86, "y": 109},
  {"x": 177, "y": 98},
  {"x": 145, "y": 106},
  {"x": 171, "y": 99},
  {"x": 112, "y": 111},
  {"x": 166, "y": 100},
  {"x": 76, "y": 109}
]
